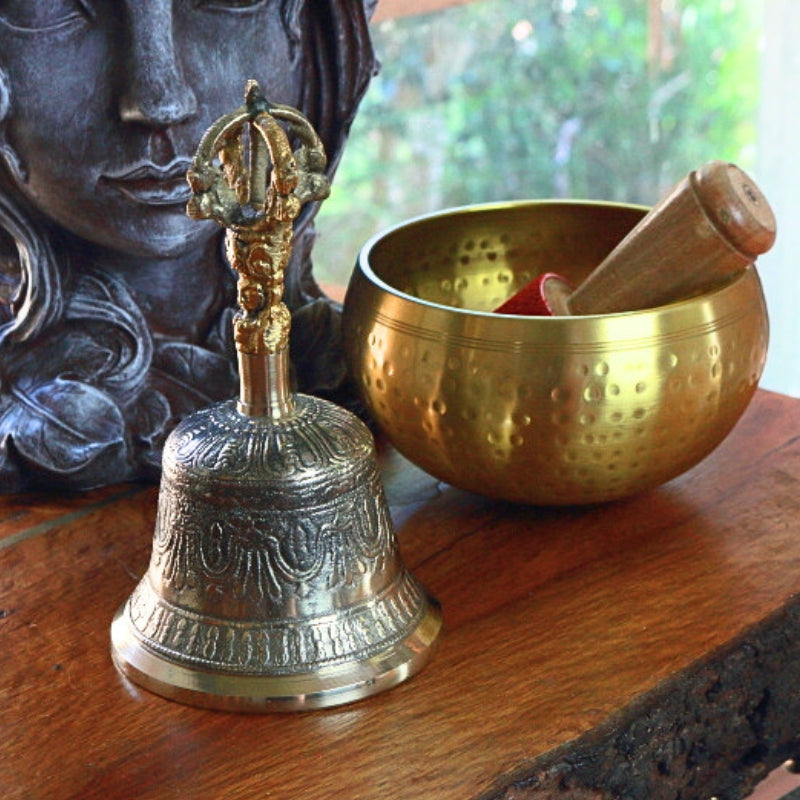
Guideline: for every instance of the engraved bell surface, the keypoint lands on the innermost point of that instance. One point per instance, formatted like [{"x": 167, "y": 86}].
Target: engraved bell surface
[{"x": 274, "y": 581}]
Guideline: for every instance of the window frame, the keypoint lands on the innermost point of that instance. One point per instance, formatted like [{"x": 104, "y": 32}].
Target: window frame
[{"x": 391, "y": 9}]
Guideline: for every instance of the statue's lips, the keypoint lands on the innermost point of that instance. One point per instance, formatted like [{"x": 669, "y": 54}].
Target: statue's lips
[{"x": 152, "y": 185}]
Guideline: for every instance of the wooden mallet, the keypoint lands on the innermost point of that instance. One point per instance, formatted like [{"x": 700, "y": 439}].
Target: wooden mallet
[{"x": 712, "y": 225}]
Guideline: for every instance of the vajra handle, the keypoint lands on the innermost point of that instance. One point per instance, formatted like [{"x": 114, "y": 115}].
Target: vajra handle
[{"x": 247, "y": 177}]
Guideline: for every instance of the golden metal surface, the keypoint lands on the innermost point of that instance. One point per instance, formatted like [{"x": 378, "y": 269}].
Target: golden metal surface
[
  {"x": 323, "y": 687},
  {"x": 256, "y": 193},
  {"x": 274, "y": 581},
  {"x": 558, "y": 410}
]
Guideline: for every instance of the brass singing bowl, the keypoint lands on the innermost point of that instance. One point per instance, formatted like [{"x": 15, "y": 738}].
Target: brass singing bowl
[{"x": 542, "y": 410}]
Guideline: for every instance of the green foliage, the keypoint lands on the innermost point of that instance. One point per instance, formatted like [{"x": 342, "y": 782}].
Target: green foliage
[{"x": 505, "y": 99}]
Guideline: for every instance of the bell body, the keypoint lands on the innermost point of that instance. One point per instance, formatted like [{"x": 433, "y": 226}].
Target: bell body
[{"x": 274, "y": 581}]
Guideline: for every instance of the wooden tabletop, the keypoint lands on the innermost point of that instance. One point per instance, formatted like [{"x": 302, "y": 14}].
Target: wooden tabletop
[{"x": 638, "y": 649}]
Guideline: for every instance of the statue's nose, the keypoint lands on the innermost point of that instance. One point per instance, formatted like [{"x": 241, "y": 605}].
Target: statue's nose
[{"x": 155, "y": 90}]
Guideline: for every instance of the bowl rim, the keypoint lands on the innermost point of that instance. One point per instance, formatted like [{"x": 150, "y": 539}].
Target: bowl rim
[{"x": 363, "y": 265}]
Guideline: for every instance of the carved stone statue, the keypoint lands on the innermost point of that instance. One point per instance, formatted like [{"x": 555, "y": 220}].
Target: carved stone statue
[{"x": 115, "y": 307}]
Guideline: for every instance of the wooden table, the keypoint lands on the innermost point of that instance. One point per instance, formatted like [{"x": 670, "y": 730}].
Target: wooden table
[{"x": 641, "y": 649}]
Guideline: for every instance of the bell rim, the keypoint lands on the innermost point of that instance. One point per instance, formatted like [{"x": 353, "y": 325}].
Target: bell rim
[{"x": 326, "y": 687}]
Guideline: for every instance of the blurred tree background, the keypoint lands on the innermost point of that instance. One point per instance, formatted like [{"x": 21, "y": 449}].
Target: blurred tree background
[{"x": 509, "y": 99}]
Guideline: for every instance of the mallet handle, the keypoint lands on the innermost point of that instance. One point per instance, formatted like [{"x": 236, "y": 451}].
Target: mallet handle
[{"x": 709, "y": 228}]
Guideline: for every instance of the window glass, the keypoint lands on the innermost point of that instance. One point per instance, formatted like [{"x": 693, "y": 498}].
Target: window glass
[{"x": 508, "y": 99}]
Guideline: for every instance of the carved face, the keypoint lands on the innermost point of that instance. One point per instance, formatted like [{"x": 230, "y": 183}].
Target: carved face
[{"x": 109, "y": 99}]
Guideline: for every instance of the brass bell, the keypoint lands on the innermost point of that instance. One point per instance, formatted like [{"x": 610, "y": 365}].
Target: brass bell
[{"x": 275, "y": 581}]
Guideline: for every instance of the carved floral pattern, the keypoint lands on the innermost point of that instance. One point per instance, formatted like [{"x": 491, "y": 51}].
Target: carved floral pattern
[
  {"x": 286, "y": 566},
  {"x": 266, "y": 556},
  {"x": 281, "y": 646}
]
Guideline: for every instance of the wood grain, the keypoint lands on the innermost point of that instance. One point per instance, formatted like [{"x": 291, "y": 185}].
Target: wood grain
[
  {"x": 565, "y": 630},
  {"x": 706, "y": 231}
]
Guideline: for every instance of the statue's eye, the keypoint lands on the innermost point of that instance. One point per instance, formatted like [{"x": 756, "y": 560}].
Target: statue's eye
[{"x": 44, "y": 15}]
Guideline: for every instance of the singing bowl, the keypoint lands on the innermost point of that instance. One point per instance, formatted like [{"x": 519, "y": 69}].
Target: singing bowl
[{"x": 542, "y": 410}]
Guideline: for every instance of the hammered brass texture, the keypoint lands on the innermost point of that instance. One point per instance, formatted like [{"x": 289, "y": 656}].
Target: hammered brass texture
[{"x": 542, "y": 410}]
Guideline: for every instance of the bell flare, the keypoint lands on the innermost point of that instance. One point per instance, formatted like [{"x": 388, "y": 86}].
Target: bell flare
[{"x": 275, "y": 582}]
